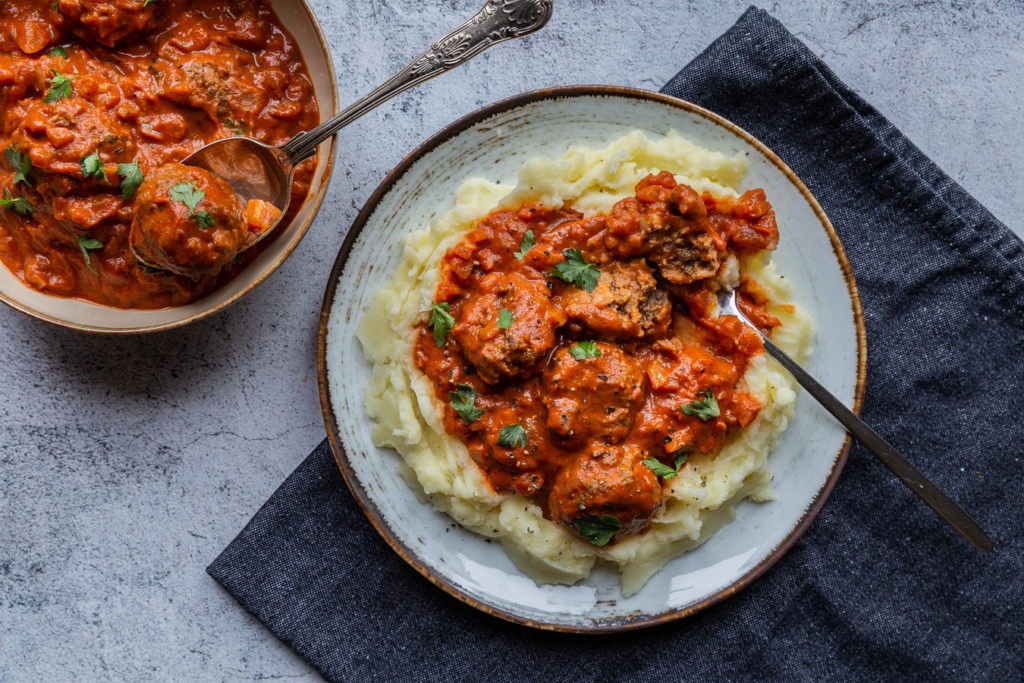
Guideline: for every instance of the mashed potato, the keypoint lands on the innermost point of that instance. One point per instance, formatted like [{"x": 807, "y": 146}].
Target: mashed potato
[{"x": 409, "y": 418}]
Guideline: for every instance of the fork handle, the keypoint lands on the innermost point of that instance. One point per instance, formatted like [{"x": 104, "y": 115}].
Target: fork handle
[{"x": 907, "y": 473}]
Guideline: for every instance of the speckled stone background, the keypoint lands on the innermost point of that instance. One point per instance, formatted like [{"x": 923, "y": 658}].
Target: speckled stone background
[{"x": 126, "y": 465}]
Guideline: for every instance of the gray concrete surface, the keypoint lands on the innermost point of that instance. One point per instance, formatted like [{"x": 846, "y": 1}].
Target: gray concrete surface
[{"x": 126, "y": 465}]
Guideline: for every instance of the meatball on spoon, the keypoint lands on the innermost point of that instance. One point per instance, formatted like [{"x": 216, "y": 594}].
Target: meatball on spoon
[{"x": 261, "y": 175}]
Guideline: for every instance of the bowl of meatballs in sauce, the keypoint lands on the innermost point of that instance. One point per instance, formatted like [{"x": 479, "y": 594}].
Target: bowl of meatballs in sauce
[
  {"x": 527, "y": 382},
  {"x": 100, "y": 101}
]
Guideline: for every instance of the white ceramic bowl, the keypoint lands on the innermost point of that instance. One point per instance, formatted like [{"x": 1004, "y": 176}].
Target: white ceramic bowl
[
  {"x": 493, "y": 143},
  {"x": 86, "y": 316}
]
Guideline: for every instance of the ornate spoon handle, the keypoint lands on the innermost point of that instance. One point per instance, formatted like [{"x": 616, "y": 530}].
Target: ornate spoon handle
[{"x": 498, "y": 20}]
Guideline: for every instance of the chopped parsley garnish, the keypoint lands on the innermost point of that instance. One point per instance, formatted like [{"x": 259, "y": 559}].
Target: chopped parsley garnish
[
  {"x": 92, "y": 167},
  {"x": 204, "y": 219},
  {"x": 599, "y": 530},
  {"x": 505, "y": 319},
  {"x": 705, "y": 408},
  {"x": 575, "y": 270},
  {"x": 441, "y": 322},
  {"x": 21, "y": 163},
  {"x": 525, "y": 245},
  {"x": 18, "y": 205},
  {"x": 464, "y": 402},
  {"x": 512, "y": 436},
  {"x": 190, "y": 195},
  {"x": 237, "y": 127},
  {"x": 664, "y": 471},
  {"x": 585, "y": 350},
  {"x": 131, "y": 178},
  {"x": 147, "y": 3},
  {"x": 59, "y": 52},
  {"x": 60, "y": 87},
  {"x": 87, "y": 244}
]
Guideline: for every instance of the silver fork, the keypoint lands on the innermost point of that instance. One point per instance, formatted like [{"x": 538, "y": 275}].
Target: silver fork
[{"x": 858, "y": 429}]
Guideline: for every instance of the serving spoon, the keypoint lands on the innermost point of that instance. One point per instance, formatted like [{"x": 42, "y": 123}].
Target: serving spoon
[
  {"x": 257, "y": 170},
  {"x": 858, "y": 429}
]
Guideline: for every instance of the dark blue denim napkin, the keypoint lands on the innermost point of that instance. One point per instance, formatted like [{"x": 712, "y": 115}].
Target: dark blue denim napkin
[{"x": 878, "y": 588}]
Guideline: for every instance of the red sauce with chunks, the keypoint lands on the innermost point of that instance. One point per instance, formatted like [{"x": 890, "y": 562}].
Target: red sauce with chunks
[
  {"x": 95, "y": 95},
  {"x": 574, "y": 367}
]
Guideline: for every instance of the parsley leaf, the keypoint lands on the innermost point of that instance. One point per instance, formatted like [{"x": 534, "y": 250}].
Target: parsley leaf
[
  {"x": 21, "y": 163},
  {"x": 18, "y": 205},
  {"x": 59, "y": 52},
  {"x": 585, "y": 350},
  {"x": 664, "y": 471},
  {"x": 599, "y": 530},
  {"x": 575, "y": 270},
  {"x": 705, "y": 408},
  {"x": 464, "y": 402},
  {"x": 237, "y": 127},
  {"x": 131, "y": 178},
  {"x": 92, "y": 167},
  {"x": 204, "y": 219},
  {"x": 525, "y": 245},
  {"x": 441, "y": 322},
  {"x": 512, "y": 436},
  {"x": 87, "y": 244},
  {"x": 60, "y": 87},
  {"x": 505, "y": 319},
  {"x": 190, "y": 195}
]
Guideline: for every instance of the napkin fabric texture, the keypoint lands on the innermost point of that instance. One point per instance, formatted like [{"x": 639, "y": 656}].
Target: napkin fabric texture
[{"x": 878, "y": 588}]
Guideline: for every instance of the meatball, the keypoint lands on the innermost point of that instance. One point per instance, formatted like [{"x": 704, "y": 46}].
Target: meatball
[
  {"x": 686, "y": 258},
  {"x": 681, "y": 374},
  {"x": 625, "y": 304},
  {"x": 219, "y": 84},
  {"x": 592, "y": 398},
  {"x": 187, "y": 221},
  {"x": 607, "y": 481},
  {"x": 498, "y": 350},
  {"x": 58, "y": 135},
  {"x": 667, "y": 223},
  {"x": 551, "y": 245},
  {"x": 108, "y": 22}
]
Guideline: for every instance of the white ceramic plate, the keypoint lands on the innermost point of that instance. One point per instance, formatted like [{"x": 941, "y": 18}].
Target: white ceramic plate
[
  {"x": 493, "y": 143},
  {"x": 83, "y": 315}
]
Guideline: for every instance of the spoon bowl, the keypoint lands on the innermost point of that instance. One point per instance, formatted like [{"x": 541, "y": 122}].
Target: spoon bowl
[{"x": 254, "y": 169}]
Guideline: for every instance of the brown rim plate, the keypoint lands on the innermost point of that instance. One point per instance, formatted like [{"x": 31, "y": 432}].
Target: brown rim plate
[{"x": 493, "y": 142}]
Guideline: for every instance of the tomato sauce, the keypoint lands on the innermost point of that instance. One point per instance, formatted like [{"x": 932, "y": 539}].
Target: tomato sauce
[
  {"x": 577, "y": 395},
  {"x": 93, "y": 90}
]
